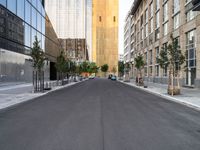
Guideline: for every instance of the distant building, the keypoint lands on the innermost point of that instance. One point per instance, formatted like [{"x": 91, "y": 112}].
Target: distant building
[
  {"x": 71, "y": 19},
  {"x": 105, "y": 33},
  {"x": 75, "y": 49},
  {"x": 121, "y": 57},
  {"x": 152, "y": 24}
]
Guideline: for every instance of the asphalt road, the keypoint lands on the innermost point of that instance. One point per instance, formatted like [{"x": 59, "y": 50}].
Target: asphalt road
[{"x": 100, "y": 114}]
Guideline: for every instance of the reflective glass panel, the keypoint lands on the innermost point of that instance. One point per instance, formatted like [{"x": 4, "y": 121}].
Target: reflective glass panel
[
  {"x": 27, "y": 35},
  {"x": 28, "y": 12},
  {"x": 43, "y": 42},
  {"x": 39, "y": 5},
  {"x": 3, "y": 2},
  {"x": 43, "y": 26},
  {"x": 39, "y": 22},
  {"x": 20, "y": 8},
  {"x": 33, "y": 36},
  {"x": 34, "y": 18},
  {"x": 34, "y": 3},
  {"x": 12, "y": 5},
  {"x": 39, "y": 36}
]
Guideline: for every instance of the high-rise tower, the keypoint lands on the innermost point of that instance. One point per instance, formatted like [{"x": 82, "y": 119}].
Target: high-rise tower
[{"x": 105, "y": 33}]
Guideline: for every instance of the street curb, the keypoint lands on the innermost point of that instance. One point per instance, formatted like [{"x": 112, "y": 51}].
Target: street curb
[
  {"x": 42, "y": 94},
  {"x": 164, "y": 96}
]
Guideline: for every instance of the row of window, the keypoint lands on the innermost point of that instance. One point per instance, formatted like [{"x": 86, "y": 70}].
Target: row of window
[
  {"x": 28, "y": 12},
  {"x": 146, "y": 30},
  {"x": 151, "y": 60}
]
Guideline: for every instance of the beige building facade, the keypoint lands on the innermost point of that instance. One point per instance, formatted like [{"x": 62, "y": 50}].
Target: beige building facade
[
  {"x": 105, "y": 33},
  {"x": 152, "y": 23}
]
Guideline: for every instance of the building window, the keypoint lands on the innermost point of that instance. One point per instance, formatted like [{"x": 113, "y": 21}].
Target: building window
[
  {"x": 190, "y": 15},
  {"x": 165, "y": 29},
  {"x": 157, "y": 4},
  {"x": 150, "y": 57},
  {"x": 100, "y": 19},
  {"x": 165, "y": 12},
  {"x": 146, "y": 15},
  {"x": 165, "y": 68},
  {"x": 151, "y": 26},
  {"x": 20, "y": 8},
  {"x": 176, "y": 21},
  {"x": 157, "y": 19},
  {"x": 157, "y": 70},
  {"x": 151, "y": 10},
  {"x": 146, "y": 30},
  {"x": 3, "y": 2},
  {"x": 114, "y": 19},
  {"x": 176, "y": 6},
  {"x": 28, "y": 12},
  {"x": 11, "y": 5},
  {"x": 150, "y": 71},
  {"x": 157, "y": 34},
  {"x": 191, "y": 50},
  {"x": 34, "y": 18}
]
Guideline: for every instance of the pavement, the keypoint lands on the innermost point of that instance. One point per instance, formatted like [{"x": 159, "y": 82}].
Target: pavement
[
  {"x": 189, "y": 97},
  {"x": 99, "y": 114}
]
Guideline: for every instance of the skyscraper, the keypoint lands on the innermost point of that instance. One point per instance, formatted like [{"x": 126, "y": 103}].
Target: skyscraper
[{"x": 105, "y": 33}]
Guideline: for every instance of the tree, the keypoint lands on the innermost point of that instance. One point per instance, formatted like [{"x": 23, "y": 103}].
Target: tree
[
  {"x": 121, "y": 68},
  {"x": 104, "y": 68},
  {"x": 92, "y": 68},
  {"x": 139, "y": 64},
  {"x": 61, "y": 65},
  {"x": 171, "y": 57},
  {"x": 38, "y": 57}
]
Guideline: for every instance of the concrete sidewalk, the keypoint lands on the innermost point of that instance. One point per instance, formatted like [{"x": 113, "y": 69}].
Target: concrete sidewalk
[
  {"x": 13, "y": 94},
  {"x": 188, "y": 97}
]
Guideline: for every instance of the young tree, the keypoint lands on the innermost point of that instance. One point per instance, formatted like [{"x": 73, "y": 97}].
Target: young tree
[
  {"x": 121, "y": 68},
  {"x": 61, "y": 65},
  {"x": 93, "y": 68},
  {"x": 139, "y": 64},
  {"x": 104, "y": 69},
  {"x": 38, "y": 57},
  {"x": 172, "y": 58}
]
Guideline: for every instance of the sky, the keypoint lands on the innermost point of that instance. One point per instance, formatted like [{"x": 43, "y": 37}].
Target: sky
[{"x": 124, "y": 7}]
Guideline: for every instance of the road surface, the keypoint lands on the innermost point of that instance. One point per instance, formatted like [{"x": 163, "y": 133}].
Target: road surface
[{"x": 99, "y": 114}]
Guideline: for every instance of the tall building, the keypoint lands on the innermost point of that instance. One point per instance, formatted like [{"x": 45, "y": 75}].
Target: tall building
[
  {"x": 105, "y": 33},
  {"x": 71, "y": 19},
  {"x": 20, "y": 22},
  {"x": 152, "y": 23}
]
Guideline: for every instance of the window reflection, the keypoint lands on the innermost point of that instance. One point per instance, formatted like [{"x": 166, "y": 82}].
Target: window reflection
[
  {"x": 34, "y": 2},
  {"x": 28, "y": 12},
  {"x": 27, "y": 35},
  {"x": 34, "y": 18},
  {"x": 39, "y": 36},
  {"x": 33, "y": 36},
  {"x": 3, "y": 2},
  {"x": 11, "y": 5},
  {"x": 39, "y": 22},
  {"x": 43, "y": 26},
  {"x": 20, "y": 8}
]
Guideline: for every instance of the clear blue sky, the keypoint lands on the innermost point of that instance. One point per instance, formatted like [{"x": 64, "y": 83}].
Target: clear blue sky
[{"x": 124, "y": 7}]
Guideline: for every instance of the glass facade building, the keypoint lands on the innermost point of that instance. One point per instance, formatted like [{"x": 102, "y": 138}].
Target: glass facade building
[{"x": 20, "y": 22}]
